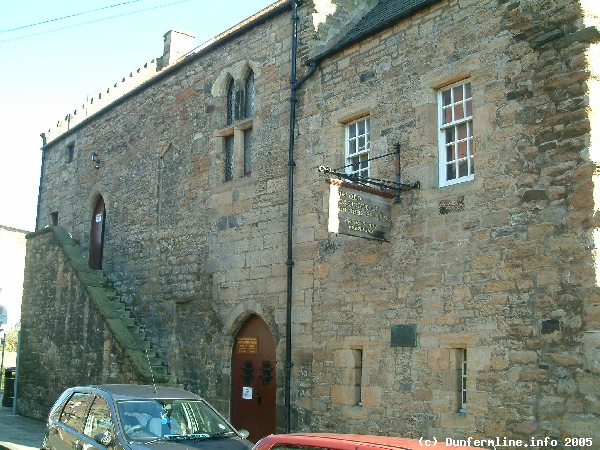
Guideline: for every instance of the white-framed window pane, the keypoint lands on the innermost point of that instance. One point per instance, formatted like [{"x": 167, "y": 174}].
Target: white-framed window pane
[
  {"x": 456, "y": 134},
  {"x": 358, "y": 146},
  {"x": 352, "y": 147}
]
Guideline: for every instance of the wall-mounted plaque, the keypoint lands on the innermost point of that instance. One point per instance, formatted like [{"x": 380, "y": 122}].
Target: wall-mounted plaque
[
  {"x": 404, "y": 335},
  {"x": 358, "y": 213},
  {"x": 246, "y": 345}
]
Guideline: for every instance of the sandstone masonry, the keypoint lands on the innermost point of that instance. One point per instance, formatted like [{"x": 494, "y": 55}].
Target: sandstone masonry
[{"x": 500, "y": 269}]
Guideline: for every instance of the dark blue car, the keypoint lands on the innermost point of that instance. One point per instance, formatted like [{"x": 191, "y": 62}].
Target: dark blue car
[{"x": 135, "y": 417}]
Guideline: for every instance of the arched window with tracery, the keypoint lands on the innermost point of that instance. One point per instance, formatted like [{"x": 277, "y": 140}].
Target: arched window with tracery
[{"x": 249, "y": 95}]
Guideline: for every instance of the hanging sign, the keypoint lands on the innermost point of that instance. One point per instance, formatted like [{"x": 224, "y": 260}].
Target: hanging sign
[{"x": 357, "y": 213}]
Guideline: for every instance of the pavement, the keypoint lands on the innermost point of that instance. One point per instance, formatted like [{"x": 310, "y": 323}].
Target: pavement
[{"x": 18, "y": 432}]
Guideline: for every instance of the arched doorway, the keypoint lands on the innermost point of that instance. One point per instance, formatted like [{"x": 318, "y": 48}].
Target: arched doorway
[
  {"x": 97, "y": 235},
  {"x": 253, "y": 383}
]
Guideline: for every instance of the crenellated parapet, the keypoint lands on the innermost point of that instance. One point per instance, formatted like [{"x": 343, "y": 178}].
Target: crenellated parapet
[
  {"x": 176, "y": 45},
  {"x": 102, "y": 99}
]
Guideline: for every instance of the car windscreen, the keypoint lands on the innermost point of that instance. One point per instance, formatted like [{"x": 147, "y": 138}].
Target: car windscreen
[{"x": 148, "y": 419}]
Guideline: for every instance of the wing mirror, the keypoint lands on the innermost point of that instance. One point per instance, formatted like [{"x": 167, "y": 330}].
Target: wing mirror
[
  {"x": 103, "y": 439},
  {"x": 244, "y": 433}
]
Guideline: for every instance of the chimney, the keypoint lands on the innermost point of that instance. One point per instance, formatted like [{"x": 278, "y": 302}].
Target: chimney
[{"x": 177, "y": 44}]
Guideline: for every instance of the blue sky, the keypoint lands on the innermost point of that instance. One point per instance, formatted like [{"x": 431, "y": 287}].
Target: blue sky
[{"x": 48, "y": 70}]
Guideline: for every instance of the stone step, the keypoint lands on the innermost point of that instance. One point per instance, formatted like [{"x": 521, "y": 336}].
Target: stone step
[{"x": 116, "y": 312}]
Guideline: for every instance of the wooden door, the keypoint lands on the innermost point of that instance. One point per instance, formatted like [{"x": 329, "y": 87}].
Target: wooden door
[
  {"x": 97, "y": 236},
  {"x": 253, "y": 384}
]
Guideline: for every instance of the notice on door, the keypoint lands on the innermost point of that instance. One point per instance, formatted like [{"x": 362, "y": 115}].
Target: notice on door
[
  {"x": 246, "y": 346},
  {"x": 247, "y": 393}
]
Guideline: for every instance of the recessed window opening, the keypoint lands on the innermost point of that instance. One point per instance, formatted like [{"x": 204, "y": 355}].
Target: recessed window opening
[
  {"x": 358, "y": 364},
  {"x": 456, "y": 150},
  {"x": 358, "y": 146},
  {"x": 463, "y": 381},
  {"x": 70, "y": 150}
]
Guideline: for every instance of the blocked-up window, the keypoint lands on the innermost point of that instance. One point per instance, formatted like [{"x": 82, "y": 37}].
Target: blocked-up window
[{"x": 456, "y": 150}]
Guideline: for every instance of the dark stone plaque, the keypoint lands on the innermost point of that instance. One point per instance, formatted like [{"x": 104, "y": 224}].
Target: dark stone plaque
[{"x": 404, "y": 335}]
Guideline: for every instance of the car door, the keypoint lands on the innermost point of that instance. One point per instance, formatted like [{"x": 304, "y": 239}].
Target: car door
[
  {"x": 98, "y": 423},
  {"x": 66, "y": 432}
]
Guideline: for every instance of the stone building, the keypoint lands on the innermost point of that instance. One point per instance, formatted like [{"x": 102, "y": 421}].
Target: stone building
[{"x": 417, "y": 256}]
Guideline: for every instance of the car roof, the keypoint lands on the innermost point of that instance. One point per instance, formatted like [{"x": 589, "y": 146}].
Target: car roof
[
  {"x": 139, "y": 392},
  {"x": 348, "y": 442}
]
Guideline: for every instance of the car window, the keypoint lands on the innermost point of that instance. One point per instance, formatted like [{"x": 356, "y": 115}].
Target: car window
[
  {"x": 74, "y": 411},
  {"x": 143, "y": 420},
  {"x": 57, "y": 409},
  {"x": 98, "y": 419}
]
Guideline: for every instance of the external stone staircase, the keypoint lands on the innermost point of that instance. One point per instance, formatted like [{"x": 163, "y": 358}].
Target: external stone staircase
[{"x": 120, "y": 320}]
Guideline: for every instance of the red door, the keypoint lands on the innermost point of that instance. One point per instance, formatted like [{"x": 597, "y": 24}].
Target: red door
[
  {"x": 97, "y": 236},
  {"x": 253, "y": 384}
]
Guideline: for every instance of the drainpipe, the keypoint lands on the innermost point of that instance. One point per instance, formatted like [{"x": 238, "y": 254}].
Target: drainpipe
[{"x": 294, "y": 85}]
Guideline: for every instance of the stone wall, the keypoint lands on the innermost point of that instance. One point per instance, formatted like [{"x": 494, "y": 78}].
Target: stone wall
[
  {"x": 178, "y": 240},
  {"x": 64, "y": 340},
  {"x": 502, "y": 266}
]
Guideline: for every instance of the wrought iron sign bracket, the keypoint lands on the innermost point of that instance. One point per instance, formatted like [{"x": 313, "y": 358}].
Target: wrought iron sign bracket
[{"x": 386, "y": 185}]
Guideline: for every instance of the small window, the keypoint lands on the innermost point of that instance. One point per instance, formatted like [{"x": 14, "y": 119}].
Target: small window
[
  {"x": 54, "y": 218},
  {"x": 358, "y": 147},
  {"x": 70, "y": 151},
  {"x": 463, "y": 381},
  {"x": 456, "y": 151},
  {"x": 249, "y": 96},
  {"x": 358, "y": 366}
]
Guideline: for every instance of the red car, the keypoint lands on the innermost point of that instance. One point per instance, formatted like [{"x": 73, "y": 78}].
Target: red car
[{"x": 355, "y": 442}]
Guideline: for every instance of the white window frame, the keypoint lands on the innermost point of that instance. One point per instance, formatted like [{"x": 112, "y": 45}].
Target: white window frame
[
  {"x": 461, "y": 118},
  {"x": 352, "y": 153}
]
